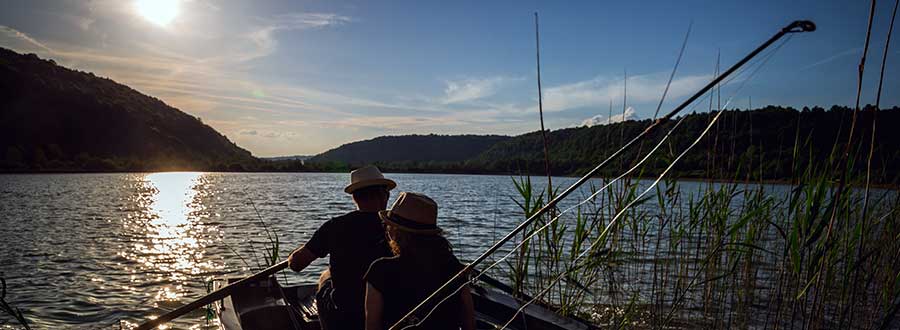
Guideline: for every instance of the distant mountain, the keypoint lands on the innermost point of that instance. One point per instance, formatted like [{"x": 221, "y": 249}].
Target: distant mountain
[
  {"x": 758, "y": 143},
  {"x": 53, "y": 118},
  {"x": 410, "y": 148}
]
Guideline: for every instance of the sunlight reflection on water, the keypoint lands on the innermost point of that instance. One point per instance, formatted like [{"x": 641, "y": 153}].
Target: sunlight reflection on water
[{"x": 173, "y": 249}]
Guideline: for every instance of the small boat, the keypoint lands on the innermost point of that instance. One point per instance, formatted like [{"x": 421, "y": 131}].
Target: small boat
[{"x": 265, "y": 305}]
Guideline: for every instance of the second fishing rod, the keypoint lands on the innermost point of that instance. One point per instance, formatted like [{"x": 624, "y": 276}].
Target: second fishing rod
[{"x": 794, "y": 27}]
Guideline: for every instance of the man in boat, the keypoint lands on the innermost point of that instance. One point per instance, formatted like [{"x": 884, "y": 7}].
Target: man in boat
[{"x": 352, "y": 242}]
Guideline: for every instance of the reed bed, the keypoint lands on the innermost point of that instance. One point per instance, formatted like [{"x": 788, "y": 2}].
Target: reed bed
[{"x": 736, "y": 254}]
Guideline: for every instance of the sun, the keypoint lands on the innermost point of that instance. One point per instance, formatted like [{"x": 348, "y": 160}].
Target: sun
[{"x": 159, "y": 12}]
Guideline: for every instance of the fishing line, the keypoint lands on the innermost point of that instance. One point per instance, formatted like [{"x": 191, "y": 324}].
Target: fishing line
[
  {"x": 653, "y": 185},
  {"x": 793, "y": 27},
  {"x": 674, "y": 69},
  {"x": 545, "y": 226},
  {"x": 612, "y": 222},
  {"x": 691, "y": 284},
  {"x": 755, "y": 68}
]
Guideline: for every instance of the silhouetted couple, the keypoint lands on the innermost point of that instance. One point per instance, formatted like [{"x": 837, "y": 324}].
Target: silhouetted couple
[{"x": 383, "y": 263}]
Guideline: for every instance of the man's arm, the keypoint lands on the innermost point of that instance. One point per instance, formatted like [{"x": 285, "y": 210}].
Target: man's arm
[
  {"x": 300, "y": 258},
  {"x": 467, "y": 309},
  {"x": 374, "y": 308}
]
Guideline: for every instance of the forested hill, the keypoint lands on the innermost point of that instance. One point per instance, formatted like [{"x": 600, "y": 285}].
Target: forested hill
[
  {"x": 411, "y": 149},
  {"x": 760, "y": 144},
  {"x": 57, "y": 119}
]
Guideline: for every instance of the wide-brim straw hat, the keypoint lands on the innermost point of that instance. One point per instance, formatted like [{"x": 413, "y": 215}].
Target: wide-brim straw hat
[
  {"x": 367, "y": 177},
  {"x": 414, "y": 213}
]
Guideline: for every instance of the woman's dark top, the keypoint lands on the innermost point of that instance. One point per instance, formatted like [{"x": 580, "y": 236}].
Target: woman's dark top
[
  {"x": 353, "y": 241},
  {"x": 405, "y": 283}
]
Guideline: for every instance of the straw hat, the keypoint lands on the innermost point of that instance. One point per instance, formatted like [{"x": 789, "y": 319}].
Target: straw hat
[
  {"x": 412, "y": 212},
  {"x": 366, "y": 177}
]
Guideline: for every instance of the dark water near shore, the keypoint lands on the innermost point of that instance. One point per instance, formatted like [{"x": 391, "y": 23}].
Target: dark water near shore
[{"x": 82, "y": 251}]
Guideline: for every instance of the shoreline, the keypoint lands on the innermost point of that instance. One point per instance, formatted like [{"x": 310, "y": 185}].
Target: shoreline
[{"x": 780, "y": 182}]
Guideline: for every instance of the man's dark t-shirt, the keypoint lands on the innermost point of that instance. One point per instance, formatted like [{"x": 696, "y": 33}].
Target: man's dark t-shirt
[
  {"x": 353, "y": 241},
  {"x": 404, "y": 284}
]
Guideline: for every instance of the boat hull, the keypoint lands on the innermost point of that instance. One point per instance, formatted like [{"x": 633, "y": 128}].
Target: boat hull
[{"x": 267, "y": 305}]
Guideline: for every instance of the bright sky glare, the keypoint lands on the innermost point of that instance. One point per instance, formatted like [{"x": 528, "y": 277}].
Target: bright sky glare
[{"x": 160, "y": 12}]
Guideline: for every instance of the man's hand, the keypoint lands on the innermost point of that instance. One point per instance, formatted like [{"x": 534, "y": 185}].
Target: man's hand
[{"x": 300, "y": 258}]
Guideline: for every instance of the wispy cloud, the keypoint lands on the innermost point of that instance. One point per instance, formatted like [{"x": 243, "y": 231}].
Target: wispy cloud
[
  {"x": 458, "y": 91},
  {"x": 269, "y": 134},
  {"x": 629, "y": 114},
  {"x": 848, "y": 52},
  {"x": 597, "y": 92},
  {"x": 308, "y": 20},
  {"x": 262, "y": 39},
  {"x": 15, "y": 36}
]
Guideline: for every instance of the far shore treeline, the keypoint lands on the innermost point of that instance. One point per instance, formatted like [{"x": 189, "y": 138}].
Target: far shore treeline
[
  {"x": 53, "y": 119},
  {"x": 762, "y": 144}
]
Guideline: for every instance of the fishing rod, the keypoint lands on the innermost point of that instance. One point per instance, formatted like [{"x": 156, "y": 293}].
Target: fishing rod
[
  {"x": 481, "y": 274},
  {"x": 652, "y": 185},
  {"x": 219, "y": 294},
  {"x": 793, "y": 27}
]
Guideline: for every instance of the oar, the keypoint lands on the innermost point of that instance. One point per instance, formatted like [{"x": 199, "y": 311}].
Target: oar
[{"x": 212, "y": 296}]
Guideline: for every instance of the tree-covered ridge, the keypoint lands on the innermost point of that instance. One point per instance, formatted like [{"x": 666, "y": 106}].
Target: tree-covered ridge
[
  {"x": 411, "y": 148},
  {"x": 761, "y": 140},
  {"x": 53, "y": 118},
  {"x": 766, "y": 143}
]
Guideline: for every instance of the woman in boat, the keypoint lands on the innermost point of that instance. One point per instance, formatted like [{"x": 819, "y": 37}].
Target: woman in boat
[{"x": 423, "y": 260}]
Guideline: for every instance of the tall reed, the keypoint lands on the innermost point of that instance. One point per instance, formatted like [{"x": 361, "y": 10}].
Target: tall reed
[
  {"x": 736, "y": 254},
  {"x": 7, "y": 308}
]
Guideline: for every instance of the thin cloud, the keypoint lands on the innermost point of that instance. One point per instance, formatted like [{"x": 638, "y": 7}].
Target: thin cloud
[
  {"x": 848, "y": 52},
  {"x": 10, "y": 33},
  {"x": 269, "y": 134},
  {"x": 598, "y": 91},
  {"x": 471, "y": 89},
  {"x": 263, "y": 42},
  {"x": 309, "y": 20},
  {"x": 389, "y": 122}
]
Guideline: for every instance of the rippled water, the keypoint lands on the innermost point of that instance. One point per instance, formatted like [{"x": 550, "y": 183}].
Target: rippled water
[{"x": 88, "y": 250}]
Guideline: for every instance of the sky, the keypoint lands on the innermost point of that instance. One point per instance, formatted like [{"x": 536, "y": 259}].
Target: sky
[{"x": 304, "y": 76}]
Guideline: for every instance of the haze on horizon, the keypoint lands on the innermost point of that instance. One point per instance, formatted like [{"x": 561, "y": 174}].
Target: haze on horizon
[{"x": 301, "y": 77}]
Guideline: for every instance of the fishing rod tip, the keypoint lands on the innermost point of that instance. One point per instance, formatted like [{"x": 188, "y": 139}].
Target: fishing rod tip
[{"x": 801, "y": 26}]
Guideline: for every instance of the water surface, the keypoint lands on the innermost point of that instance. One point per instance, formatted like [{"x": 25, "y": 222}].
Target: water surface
[
  {"x": 90, "y": 250},
  {"x": 87, "y": 250}
]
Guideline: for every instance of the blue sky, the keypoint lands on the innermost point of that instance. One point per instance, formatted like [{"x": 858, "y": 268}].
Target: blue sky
[{"x": 301, "y": 77}]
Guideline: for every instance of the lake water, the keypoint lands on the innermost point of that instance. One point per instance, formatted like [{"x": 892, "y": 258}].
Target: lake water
[{"x": 87, "y": 250}]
